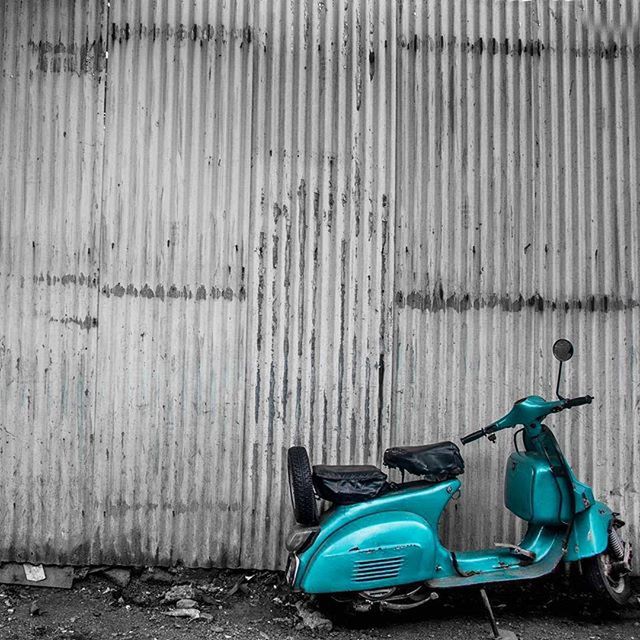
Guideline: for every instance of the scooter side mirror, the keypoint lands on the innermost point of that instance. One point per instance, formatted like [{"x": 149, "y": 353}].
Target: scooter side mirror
[{"x": 562, "y": 350}]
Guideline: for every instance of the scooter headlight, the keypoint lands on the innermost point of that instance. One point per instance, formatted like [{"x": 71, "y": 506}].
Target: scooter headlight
[{"x": 300, "y": 538}]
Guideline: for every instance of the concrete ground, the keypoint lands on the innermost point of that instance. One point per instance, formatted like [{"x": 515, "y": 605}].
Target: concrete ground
[{"x": 258, "y": 606}]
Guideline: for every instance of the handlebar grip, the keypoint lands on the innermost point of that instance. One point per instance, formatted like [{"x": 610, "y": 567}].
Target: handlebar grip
[
  {"x": 476, "y": 435},
  {"x": 578, "y": 402}
]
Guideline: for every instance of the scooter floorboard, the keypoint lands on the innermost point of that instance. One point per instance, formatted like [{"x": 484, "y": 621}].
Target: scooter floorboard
[{"x": 515, "y": 569}]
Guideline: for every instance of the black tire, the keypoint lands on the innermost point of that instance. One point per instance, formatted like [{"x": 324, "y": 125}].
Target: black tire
[
  {"x": 614, "y": 590},
  {"x": 301, "y": 487}
]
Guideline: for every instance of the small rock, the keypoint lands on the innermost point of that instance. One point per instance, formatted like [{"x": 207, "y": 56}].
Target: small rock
[
  {"x": 186, "y": 603},
  {"x": 179, "y": 592},
  {"x": 34, "y": 609},
  {"x": 120, "y": 577},
  {"x": 183, "y": 613},
  {"x": 193, "y": 614},
  {"x": 312, "y": 619}
]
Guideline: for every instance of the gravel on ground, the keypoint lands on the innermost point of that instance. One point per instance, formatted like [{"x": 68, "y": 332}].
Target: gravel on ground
[{"x": 159, "y": 604}]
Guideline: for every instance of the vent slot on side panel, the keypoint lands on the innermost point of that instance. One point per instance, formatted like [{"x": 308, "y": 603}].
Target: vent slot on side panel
[{"x": 382, "y": 569}]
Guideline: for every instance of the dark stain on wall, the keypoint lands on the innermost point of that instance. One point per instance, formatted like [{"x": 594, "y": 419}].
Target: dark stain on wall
[
  {"x": 438, "y": 301},
  {"x": 87, "y": 322},
  {"x": 73, "y": 57},
  {"x": 606, "y": 49},
  {"x": 181, "y": 33},
  {"x": 173, "y": 291}
]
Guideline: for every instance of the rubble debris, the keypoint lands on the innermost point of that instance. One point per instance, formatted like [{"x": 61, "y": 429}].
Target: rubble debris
[
  {"x": 187, "y": 603},
  {"x": 80, "y": 573},
  {"x": 192, "y": 614},
  {"x": 239, "y": 585},
  {"x": 158, "y": 575},
  {"x": 120, "y": 577},
  {"x": 179, "y": 592},
  {"x": 312, "y": 619},
  {"x": 34, "y": 572},
  {"x": 183, "y": 613}
]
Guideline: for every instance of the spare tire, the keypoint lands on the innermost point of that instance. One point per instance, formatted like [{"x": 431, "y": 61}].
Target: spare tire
[{"x": 301, "y": 487}]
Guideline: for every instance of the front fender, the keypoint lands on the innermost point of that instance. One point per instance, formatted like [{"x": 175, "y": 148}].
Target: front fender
[
  {"x": 379, "y": 550},
  {"x": 590, "y": 532}
]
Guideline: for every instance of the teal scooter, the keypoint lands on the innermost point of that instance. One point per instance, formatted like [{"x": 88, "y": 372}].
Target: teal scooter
[{"x": 377, "y": 544}]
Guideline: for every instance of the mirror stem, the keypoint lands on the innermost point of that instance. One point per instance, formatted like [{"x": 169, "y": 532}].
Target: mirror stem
[{"x": 558, "y": 383}]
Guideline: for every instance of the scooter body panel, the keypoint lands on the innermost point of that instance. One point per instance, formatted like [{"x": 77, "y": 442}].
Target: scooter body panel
[
  {"x": 533, "y": 492},
  {"x": 590, "y": 532},
  {"x": 388, "y": 541},
  {"x": 486, "y": 566},
  {"x": 389, "y": 549}
]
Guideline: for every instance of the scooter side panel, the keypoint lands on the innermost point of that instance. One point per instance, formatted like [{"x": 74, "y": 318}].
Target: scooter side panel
[
  {"x": 590, "y": 532},
  {"x": 401, "y": 524},
  {"x": 385, "y": 549}
]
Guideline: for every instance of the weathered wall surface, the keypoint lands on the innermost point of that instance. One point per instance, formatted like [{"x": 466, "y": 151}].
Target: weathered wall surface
[
  {"x": 517, "y": 221},
  {"x": 338, "y": 224},
  {"x": 52, "y": 58}
]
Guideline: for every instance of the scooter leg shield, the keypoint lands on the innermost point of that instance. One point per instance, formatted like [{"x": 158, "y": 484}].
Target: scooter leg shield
[{"x": 590, "y": 532}]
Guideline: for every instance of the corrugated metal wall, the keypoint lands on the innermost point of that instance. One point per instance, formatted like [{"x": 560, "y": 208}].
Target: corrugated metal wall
[
  {"x": 520, "y": 225},
  {"x": 338, "y": 224},
  {"x": 518, "y": 220},
  {"x": 52, "y": 58}
]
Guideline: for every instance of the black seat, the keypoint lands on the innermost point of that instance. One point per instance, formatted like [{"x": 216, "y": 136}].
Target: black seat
[
  {"x": 435, "y": 462},
  {"x": 348, "y": 484}
]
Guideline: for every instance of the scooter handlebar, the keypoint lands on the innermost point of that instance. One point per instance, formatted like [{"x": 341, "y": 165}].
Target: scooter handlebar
[
  {"x": 489, "y": 431},
  {"x": 577, "y": 402},
  {"x": 476, "y": 435}
]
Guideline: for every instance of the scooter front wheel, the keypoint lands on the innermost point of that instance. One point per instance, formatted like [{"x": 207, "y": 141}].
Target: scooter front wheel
[{"x": 606, "y": 580}]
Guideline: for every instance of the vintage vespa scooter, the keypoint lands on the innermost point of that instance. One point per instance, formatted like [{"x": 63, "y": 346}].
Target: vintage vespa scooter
[{"x": 378, "y": 543}]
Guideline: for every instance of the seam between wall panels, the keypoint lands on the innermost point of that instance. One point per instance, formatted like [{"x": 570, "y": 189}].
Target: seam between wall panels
[{"x": 104, "y": 32}]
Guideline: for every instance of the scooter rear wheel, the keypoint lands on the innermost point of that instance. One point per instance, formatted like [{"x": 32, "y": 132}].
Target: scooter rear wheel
[
  {"x": 301, "y": 487},
  {"x": 604, "y": 582}
]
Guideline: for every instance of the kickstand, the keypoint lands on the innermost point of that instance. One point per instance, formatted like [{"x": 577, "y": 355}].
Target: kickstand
[{"x": 497, "y": 634}]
